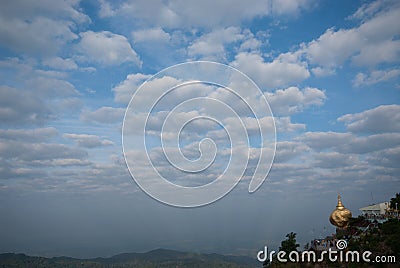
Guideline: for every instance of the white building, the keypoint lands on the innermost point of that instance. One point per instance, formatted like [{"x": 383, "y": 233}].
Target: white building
[{"x": 376, "y": 210}]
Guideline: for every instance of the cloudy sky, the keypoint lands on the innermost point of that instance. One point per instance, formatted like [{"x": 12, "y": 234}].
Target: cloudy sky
[{"x": 329, "y": 70}]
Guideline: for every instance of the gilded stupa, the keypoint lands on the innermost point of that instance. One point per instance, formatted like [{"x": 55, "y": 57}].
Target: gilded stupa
[{"x": 340, "y": 216}]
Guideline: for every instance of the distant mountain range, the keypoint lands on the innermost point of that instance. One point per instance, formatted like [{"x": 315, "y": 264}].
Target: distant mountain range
[{"x": 160, "y": 258}]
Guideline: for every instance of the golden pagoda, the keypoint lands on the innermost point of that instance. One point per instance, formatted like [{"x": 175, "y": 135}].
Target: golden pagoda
[{"x": 340, "y": 216}]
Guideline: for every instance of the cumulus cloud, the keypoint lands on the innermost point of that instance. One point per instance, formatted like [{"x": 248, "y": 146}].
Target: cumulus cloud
[
  {"x": 371, "y": 43},
  {"x": 337, "y": 157},
  {"x": 279, "y": 72},
  {"x": 284, "y": 124},
  {"x": 88, "y": 141},
  {"x": 369, "y": 10},
  {"x": 39, "y": 151},
  {"x": 321, "y": 72},
  {"x": 333, "y": 47},
  {"x": 288, "y": 150},
  {"x": 323, "y": 140},
  {"x": 372, "y": 143},
  {"x": 18, "y": 107},
  {"x": 29, "y": 37},
  {"x": 374, "y": 77},
  {"x": 106, "y": 48},
  {"x": 212, "y": 45},
  {"x": 293, "y": 100},
  {"x": 106, "y": 9},
  {"x": 49, "y": 8},
  {"x": 387, "y": 158},
  {"x": 26, "y": 151},
  {"x": 60, "y": 63},
  {"x": 22, "y": 25},
  {"x": 290, "y": 7},
  {"x": 34, "y": 96},
  {"x": 333, "y": 160},
  {"x": 384, "y": 118},
  {"x": 48, "y": 87},
  {"x": 173, "y": 14},
  {"x": 349, "y": 143},
  {"x": 151, "y": 35},
  {"x": 123, "y": 92},
  {"x": 104, "y": 115},
  {"x": 29, "y": 135}
]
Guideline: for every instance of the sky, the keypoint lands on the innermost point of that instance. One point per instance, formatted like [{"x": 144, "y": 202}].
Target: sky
[{"x": 68, "y": 69}]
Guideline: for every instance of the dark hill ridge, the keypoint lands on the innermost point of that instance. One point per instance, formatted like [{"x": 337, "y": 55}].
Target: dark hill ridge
[{"x": 155, "y": 258}]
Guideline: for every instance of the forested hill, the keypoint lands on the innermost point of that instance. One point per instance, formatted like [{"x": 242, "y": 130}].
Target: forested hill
[{"x": 155, "y": 258}]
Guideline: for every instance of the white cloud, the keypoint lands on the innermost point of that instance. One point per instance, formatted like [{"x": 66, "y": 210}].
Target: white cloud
[
  {"x": 34, "y": 96},
  {"x": 384, "y": 118},
  {"x": 372, "y": 43},
  {"x": 29, "y": 135},
  {"x": 320, "y": 72},
  {"x": 279, "y": 72},
  {"x": 106, "y": 48},
  {"x": 208, "y": 13},
  {"x": 211, "y": 13},
  {"x": 106, "y": 9},
  {"x": 18, "y": 107},
  {"x": 212, "y": 45},
  {"x": 144, "y": 13},
  {"x": 284, "y": 124},
  {"x": 387, "y": 158},
  {"x": 88, "y": 141},
  {"x": 46, "y": 8},
  {"x": 333, "y": 47},
  {"x": 388, "y": 52},
  {"x": 63, "y": 162},
  {"x": 51, "y": 87},
  {"x": 349, "y": 143},
  {"x": 156, "y": 88},
  {"x": 288, "y": 150},
  {"x": 372, "y": 143},
  {"x": 252, "y": 125},
  {"x": 60, "y": 63},
  {"x": 151, "y": 35},
  {"x": 368, "y": 10},
  {"x": 70, "y": 105},
  {"x": 105, "y": 115},
  {"x": 335, "y": 160},
  {"x": 250, "y": 44},
  {"x": 123, "y": 92},
  {"x": 283, "y": 7},
  {"x": 323, "y": 140},
  {"x": 375, "y": 77},
  {"x": 30, "y": 38},
  {"x": 39, "y": 27},
  {"x": 39, "y": 151},
  {"x": 293, "y": 100}
]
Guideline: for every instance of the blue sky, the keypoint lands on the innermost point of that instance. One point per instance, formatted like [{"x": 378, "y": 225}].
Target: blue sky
[{"x": 329, "y": 70}]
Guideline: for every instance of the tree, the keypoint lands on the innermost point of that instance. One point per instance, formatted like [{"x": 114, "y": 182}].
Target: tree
[
  {"x": 395, "y": 200},
  {"x": 290, "y": 244}
]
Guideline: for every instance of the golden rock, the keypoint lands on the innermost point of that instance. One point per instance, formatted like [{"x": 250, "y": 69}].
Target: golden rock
[{"x": 340, "y": 216}]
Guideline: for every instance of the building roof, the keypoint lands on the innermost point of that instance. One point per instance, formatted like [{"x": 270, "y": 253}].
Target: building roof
[
  {"x": 372, "y": 207},
  {"x": 381, "y": 207}
]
